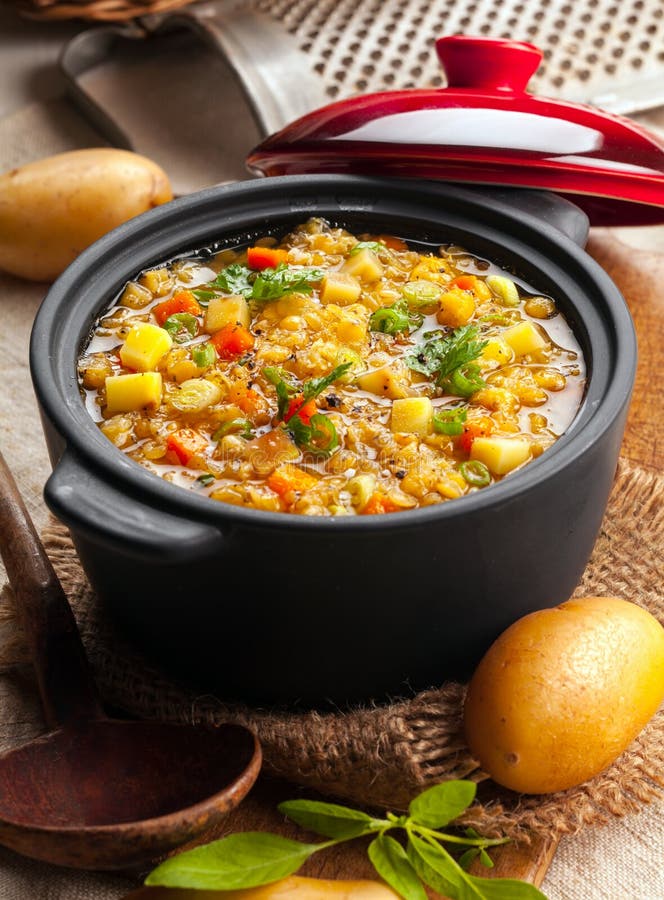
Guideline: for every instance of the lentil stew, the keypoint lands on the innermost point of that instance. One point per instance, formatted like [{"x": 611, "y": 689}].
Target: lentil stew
[{"x": 332, "y": 374}]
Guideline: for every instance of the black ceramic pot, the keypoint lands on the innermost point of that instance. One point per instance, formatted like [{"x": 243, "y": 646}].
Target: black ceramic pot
[{"x": 282, "y": 609}]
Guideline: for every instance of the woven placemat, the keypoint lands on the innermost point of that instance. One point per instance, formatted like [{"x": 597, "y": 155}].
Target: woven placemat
[{"x": 382, "y": 756}]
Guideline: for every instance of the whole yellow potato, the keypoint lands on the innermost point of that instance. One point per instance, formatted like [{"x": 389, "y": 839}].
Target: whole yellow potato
[
  {"x": 293, "y": 888},
  {"x": 563, "y": 691},
  {"x": 53, "y": 208}
]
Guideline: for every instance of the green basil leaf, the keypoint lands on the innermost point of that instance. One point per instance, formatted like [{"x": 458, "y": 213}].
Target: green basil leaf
[
  {"x": 206, "y": 479},
  {"x": 502, "y": 889},
  {"x": 437, "y": 868},
  {"x": 239, "y": 861},
  {"x": 389, "y": 859},
  {"x": 445, "y": 878},
  {"x": 442, "y": 803},
  {"x": 329, "y": 819},
  {"x": 469, "y": 857},
  {"x": 485, "y": 859}
]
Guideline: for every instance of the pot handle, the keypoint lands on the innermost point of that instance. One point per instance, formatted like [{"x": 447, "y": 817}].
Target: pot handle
[
  {"x": 554, "y": 211},
  {"x": 93, "y": 507}
]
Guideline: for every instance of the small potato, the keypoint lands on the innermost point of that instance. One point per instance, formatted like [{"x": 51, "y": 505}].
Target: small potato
[
  {"x": 294, "y": 888},
  {"x": 52, "y": 209}
]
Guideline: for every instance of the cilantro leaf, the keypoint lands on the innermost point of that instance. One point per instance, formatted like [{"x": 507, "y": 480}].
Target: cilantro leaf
[
  {"x": 270, "y": 284},
  {"x": 450, "y": 360},
  {"x": 234, "y": 279},
  {"x": 316, "y": 386}
]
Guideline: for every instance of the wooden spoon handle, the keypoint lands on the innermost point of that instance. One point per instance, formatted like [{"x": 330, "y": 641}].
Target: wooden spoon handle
[{"x": 65, "y": 681}]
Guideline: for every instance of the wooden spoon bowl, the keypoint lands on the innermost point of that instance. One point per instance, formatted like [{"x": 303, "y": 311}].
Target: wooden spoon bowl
[{"x": 95, "y": 792}]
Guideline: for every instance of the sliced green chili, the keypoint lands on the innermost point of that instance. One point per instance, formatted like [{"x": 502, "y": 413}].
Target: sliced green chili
[
  {"x": 203, "y": 355},
  {"x": 475, "y": 473},
  {"x": 243, "y": 427},
  {"x": 449, "y": 421},
  {"x": 181, "y": 327}
]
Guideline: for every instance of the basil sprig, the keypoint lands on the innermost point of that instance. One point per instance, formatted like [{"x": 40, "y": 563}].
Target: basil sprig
[
  {"x": 450, "y": 360},
  {"x": 251, "y": 859}
]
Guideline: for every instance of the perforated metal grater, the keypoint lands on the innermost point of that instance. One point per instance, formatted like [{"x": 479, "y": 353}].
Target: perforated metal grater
[{"x": 606, "y": 52}]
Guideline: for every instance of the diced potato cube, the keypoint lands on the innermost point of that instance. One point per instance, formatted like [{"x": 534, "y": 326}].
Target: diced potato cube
[
  {"x": 455, "y": 308},
  {"x": 340, "y": 287},
  {"x": 144, "y": 346},
  {"x": 500, "y": 454},
  {"x": 125, "y": 393},
  {"x": 384, "y": 382},
  {"x": 412, "y": 414},
  {"x": 352, "y": 331},
  {"x": 271, "y": 450},
  {"x": 136, "y": 296},
  {"x": 496, "y": 352},
  {"x": 505, "y": 288},
  {"x": 227, "y": 311},
  {"x": 158, "y": 281},
  {"x": 363, "y": 265},
  {"x": 525, "y": 338},
  {"x": 195, "y": 395}
]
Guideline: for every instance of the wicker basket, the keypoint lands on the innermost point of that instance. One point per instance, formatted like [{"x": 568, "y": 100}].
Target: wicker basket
[{"x": 94, "y": 10}]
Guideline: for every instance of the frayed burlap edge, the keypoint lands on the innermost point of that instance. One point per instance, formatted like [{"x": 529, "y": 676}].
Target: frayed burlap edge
[{"x": 382, "y": 756}]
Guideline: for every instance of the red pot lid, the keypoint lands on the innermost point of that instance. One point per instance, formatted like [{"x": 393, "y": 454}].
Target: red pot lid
[{"x": 484, "y": 128}]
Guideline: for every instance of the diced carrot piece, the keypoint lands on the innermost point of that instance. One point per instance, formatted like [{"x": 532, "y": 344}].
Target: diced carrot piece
[
  {"x": 289, "y": 478},
  {"x": 232, "y": 341},
  {"x": 465, "y": 282},
  {"x": 265, "y": 257},
  {"x": 243, "y": 397},
  {"x": 471, "y": 430},
  {"x": 379, "y": 503},
  {"x": 183, "y": 301},
  {"x": 186, "y": 443},
  {"x": 304, "y": 410},
  {"x": 392, "y": 243}
]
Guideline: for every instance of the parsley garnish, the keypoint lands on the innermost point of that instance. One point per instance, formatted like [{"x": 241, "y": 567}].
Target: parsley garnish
[
  {"x": 450, "y": 361},
  {"x": 319, "y": 435},
  {"x": 316, "y": 386},
  {"x": 268, "y": 284}
]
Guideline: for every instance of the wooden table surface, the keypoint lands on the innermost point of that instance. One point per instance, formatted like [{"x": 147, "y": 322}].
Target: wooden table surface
[{"x": 640, "y": 276}]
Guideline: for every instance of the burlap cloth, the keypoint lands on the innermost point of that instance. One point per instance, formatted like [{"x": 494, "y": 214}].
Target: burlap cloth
[{"x": 383, "y": 755}]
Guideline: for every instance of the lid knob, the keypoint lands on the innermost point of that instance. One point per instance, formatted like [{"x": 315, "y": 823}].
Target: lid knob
[{"x": 488, "y": 63}]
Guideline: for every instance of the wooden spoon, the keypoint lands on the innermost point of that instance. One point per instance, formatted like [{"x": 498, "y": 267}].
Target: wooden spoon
[{"x": 95, "y": 792}]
